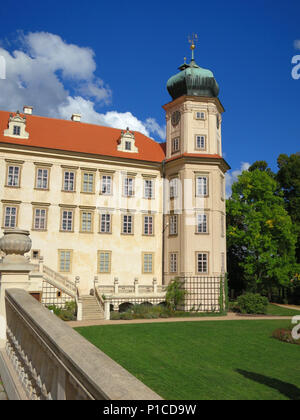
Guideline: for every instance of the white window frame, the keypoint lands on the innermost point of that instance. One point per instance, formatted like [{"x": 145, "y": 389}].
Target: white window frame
[
  {"x": 148, "y": 225},
  {"x": 67, "y": 220},
  {"x": 105, "y": 223},
  {"x": 174, "y": 262},
  {"x": 127, "y": 226},
  {"x": 202, "y": 262},
  {"x": 176, "y": 145},
  {"x": 13, "y": 179},
  {"x": 202, "y": 187},
  {"x": 173, "y": 224},
  {"x": 68, "y": 181},
  {"x": 200, "y": 142},
  {"x": 106, "y": 185},
  {"x": 202, "y": 223},
  {"x": 173, "y": 186},
  {"x": 128, "y": 186},
  {"x": 148, "y": 188},
  {"x": 40, "y": 179},
  {"x": 11, "y": 218},
  {"x": 40, "y": 220}
]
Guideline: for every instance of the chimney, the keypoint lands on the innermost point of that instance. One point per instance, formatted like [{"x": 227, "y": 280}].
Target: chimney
[
  {"x": 76, "y": 117},
  {"x": 27, "y": 110}
]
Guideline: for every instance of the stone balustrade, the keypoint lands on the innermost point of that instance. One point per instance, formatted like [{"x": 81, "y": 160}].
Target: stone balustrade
[{"x": 53, "y": 362}]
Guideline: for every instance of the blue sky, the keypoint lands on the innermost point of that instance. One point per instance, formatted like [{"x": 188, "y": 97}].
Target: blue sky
[{"x": 134, "y": 47}]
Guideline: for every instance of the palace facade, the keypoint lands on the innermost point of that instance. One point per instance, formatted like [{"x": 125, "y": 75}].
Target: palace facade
[{"x": 116, "y": 204}]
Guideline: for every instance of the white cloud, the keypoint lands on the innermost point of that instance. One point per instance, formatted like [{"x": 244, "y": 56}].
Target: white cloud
[
  {"x": 58, "y": 79},
  {"x": 297, "y": 44},
  {"x": 232, "y": 176}
]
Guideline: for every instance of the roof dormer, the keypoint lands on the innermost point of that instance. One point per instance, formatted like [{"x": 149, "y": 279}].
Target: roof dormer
[
  {"x": 127, "y": 142},
  {"x": 16, "y": 127}
]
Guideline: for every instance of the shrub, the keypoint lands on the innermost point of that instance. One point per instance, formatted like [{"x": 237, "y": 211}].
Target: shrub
[
  {"x": 68, "y": 313},
  {"x": 175, "y": 294},
  {"x": 285, "y": 335},
  {"x": 251, "y": 303}
]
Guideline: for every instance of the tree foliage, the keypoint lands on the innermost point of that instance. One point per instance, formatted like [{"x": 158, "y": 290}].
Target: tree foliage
[
  {"x": 288, "y": 177},
  {"x": 260, "y": 234}
]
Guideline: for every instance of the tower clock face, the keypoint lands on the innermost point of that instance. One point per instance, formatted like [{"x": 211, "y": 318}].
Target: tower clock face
[{"x": 176, "y": 118}]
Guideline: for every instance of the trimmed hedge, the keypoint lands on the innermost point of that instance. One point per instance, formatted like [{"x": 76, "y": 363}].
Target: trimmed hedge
[{"x": 253, "y": 304}]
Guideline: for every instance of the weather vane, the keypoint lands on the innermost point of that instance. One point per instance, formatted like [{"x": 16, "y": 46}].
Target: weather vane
[{"x": 192, "y": 40}]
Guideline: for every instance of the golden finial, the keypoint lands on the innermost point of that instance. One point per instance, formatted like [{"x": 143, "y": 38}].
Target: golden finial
[{"x": 192, "y": 41}]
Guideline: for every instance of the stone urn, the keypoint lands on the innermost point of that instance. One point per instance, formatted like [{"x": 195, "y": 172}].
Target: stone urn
[{"x": 15, "y": 243}]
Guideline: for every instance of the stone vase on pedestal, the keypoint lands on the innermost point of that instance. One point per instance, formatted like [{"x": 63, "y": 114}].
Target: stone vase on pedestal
[
  {"x": 14, "y": 269},
  {"x": 15, "y": 243}
]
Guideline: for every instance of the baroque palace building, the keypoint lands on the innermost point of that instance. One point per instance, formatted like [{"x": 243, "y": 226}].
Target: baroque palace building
[{"x": 103, "y": 202}]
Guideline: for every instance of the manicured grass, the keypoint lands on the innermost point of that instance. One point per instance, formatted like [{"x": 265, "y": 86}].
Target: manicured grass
[
  {"x": 280, "y": 311},
  {"x": 232, "y": 360}
]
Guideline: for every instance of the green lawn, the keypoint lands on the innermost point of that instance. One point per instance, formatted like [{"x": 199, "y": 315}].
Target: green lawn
[
  {"x": 280, "y": 311},
  {"x": 205, "y": 360}
]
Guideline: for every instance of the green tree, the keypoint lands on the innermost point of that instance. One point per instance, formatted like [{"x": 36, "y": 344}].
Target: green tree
[
  {"x": 260, "y": 235},
  {"x": 288, "y": 177},
  {"x": 262, "y": 165}
]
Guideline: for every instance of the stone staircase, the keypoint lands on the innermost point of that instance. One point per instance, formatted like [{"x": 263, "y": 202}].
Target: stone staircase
[{"x": 91, "y": 310}]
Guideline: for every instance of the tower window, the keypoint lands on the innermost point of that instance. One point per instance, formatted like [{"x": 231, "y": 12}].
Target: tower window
[
  {"x": 176, "y": 145},
  {"x": 200, "y": 115},
  {"x": 202, "y": 186},
  {"x": 202, "y": 262},
  {"x": 201, "y": 142},
  {"x": 202, "y": 223}
]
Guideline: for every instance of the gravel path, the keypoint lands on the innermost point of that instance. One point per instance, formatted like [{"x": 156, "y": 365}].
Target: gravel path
[{"x": 229, "y": 317}]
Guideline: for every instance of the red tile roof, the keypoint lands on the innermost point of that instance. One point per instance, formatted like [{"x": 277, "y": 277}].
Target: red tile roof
[{"x": 80, "y": 137}]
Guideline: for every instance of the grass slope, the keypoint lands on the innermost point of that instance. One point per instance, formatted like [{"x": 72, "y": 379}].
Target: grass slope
[
  {"x": 205, "y": 360},
  {"x": 280, "y": 311}
]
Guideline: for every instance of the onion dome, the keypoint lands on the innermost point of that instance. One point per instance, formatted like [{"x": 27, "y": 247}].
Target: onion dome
[{"x": 193, "y": 81}]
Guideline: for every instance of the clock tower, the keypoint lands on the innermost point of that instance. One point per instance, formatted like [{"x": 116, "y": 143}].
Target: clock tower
[{"x": 195, "y": 223}]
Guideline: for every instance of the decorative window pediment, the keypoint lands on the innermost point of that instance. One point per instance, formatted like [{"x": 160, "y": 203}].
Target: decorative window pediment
[
  {"x": 127, "y": 142},
  {"x": 16, "y": 127}
]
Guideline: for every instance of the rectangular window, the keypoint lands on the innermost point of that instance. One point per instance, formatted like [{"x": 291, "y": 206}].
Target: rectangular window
[
  {"x": 176, "y": 145},
  {"x": 127, "y": 224},
  {"x": 201, "y": 142},
  {"x": 106, "y": 187},
  {"x": 69, "y": 181},
  {"x": 88, "y": 182},
  {"x": 148, "y": 188},
  {"x": 10, "y": 217},
  {"x": 104, "y": 261},
  {"x": 17, "y": 130},
  {"x": 86, "y": 221},
  {"x": 67, "y": 221},
  {"x": 202, "y": 262},
  {"x": 147, "y": 263},
  {"x": 127, "y": 145},
  {"x": 200, "y": 115},
  {"x": 202, "y": 223},
  {"x": 128, "y": 187},
  {"x": 173, "y": 262},
  {"x": 13, "y": 176},
  {"x": 202, "y": 185},
  {"x": 105, "y": 223},
  {"x": 173, "y": 224},
  {"x": 40, "y": 219},
  {"x": 148, "y": 225},
  {"x": 65, "y": 261},
  {"x": 42, "y": 177},
  {"x": 173, "y": 187}
]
